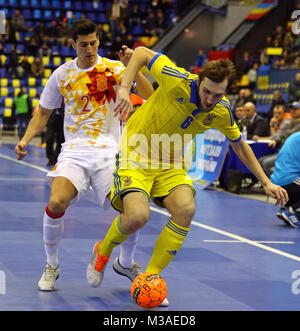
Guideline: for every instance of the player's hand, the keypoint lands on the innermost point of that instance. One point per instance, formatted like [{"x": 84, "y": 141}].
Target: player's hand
[
  {"x": 20, "y": 150},
  {"x": 277, "y": 192},
  {"x": 124, "y": 105},
  {"x": 125, "y": 55},
  {"x": 272, "y": 143}
]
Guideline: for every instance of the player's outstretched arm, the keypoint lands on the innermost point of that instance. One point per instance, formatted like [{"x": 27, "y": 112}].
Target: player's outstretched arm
[
  {"x": 139, "y": 58},
  {"x": 35, "y": 126},
  {"x": 246, "y": 155}
]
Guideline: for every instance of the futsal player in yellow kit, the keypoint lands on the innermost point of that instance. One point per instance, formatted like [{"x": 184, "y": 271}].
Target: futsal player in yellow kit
[{"x": 183, "y": 106}]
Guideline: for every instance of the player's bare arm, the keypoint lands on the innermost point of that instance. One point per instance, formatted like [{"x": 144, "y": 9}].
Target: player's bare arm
[
  {"x": 35, "y": 126},
  {"x": 246, "y": 155},
  {"x": 143, "y": 86},
  {"x": 139, "y": 58}
]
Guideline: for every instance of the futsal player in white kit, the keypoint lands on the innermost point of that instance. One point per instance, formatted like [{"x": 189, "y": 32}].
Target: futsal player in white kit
[{"x": 88, "y": 86}]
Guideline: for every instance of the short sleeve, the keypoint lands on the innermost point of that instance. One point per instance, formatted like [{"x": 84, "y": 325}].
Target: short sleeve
[{"x": 51, "y": 97}]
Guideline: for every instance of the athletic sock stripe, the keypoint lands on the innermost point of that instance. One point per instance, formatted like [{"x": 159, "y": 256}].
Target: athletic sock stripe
[{"x": 172, "y": 226}]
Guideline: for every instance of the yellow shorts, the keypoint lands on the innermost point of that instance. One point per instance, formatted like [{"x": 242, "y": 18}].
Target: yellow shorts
[{"x": 153, "y": 183}]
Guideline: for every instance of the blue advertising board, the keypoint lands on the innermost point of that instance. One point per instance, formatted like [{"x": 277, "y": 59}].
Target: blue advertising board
[{"x": 204, "y": 157}]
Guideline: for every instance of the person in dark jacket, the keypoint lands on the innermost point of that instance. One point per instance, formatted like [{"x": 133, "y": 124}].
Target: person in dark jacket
[
  {"x": 54, "y": 135},
  {"x": 257, "y": 125}
]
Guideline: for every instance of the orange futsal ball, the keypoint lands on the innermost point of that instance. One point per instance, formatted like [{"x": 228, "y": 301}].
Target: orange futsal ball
[{"x": 148, "y": 290}]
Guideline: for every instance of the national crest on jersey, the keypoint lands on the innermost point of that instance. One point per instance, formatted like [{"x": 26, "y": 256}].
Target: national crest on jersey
[{"x": 90, "y": 96}]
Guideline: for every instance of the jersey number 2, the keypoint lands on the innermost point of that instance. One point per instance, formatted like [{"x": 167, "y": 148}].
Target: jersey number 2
[{"x": 85, "y": 108}]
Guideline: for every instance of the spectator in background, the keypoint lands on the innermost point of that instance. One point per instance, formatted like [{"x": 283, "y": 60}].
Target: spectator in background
[
  {"x": 31, "y": 47},
  {"x": 18, "y": 21},
  {"x": 53, "y": 32},
  {"x": 279, "y": 116},
  {"x": 22, "y": 108},
  {"x": 63, "y": 34},
  {"x": 252, "y": 76},
  {"x": 37, "y": 68},
  {"x": 13, "y": 62},
  {"x": 288, "y": 127},
  {"x": 277, "y": 100},
  {"x": 240, "y": 117},
  {"x": 257, "y": 125},
  {"x": 45, "y": 49},
  {"x": 25, "y": 67},
  {"x": 160, "y": 24},
  {"x": 54, "y": 135},
  {"x": 247, "y": 62},
  {"x": 287, "y": 175},
  {"x": 114, "y": 15},
  {"x": 294, "y": 89},
  {"x": 201, "y": 57}
]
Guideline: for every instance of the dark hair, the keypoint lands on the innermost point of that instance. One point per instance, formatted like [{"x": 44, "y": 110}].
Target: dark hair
[
  {"x": 83, "y": 27},
  {"x": 217, "y": 71}
]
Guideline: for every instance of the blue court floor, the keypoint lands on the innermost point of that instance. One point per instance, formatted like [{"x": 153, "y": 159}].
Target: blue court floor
[{"x": 237, "y": 256}]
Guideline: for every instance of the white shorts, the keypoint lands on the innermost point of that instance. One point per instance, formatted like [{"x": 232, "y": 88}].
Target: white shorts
[{"x": 85, "y": 170}]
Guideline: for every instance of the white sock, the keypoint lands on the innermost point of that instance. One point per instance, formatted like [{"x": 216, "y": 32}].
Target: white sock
[
  {"x": 127, "y": 249},
  {"x": 52, "y": 233}
]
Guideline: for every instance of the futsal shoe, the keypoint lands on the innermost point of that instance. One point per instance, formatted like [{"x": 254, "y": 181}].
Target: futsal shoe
[
  {"x": 289, "y": 218},
  {"x": 96, "y": 267},
  {"x": 49, "y": 276},
  {"x": 132, "y": 273}
]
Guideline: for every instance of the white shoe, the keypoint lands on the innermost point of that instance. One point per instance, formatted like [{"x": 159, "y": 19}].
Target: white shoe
[
  {"x": 132, "y": 273},
  {"x": 96, "y": 267},
  {"x": 49, "y": 276}
]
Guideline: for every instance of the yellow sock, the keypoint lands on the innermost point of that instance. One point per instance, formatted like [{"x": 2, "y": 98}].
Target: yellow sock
[
  {"x": 114, "y": 237},
  {"x": 167, "y": 245}
]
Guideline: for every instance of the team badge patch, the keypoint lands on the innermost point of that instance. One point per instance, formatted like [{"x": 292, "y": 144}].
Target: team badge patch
[
  {"x": 208, "y": 120},
  {"x": 102, "y": 84},
  {"x": 127, "y": 181}
]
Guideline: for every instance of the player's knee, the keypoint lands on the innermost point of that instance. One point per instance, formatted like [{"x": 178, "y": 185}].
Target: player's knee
[
  {"x": 185, "y": 210},
  {"x": 136, "y": 219},
  {"x": 58, "y": 204}
]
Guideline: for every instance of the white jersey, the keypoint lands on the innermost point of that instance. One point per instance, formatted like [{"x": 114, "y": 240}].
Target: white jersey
[{"x": 90, "y": 96}]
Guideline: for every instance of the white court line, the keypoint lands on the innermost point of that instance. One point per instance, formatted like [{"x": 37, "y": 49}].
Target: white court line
[
  {"x": 236, "y": 237},
  {"x": 257, "y": 241},
  {"x": 210, "y": 228},
  {"x": 23, "y": 163},
  {"x": 22, "y": 179}
]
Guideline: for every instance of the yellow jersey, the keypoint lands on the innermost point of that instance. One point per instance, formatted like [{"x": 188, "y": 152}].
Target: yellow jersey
[{"x": 157, "y": 132}]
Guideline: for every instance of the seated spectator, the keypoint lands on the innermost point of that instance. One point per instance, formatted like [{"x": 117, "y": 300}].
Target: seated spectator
[
  {"x": 288, "y": 127},
  {"x": 31, "y": 47},
  {"x": 37, "y": 68},
  {"x": 240, "y": 117},
  {"x": 279, "y": 116},
  {"x": 25, "y": 67},
  {"x": 45, "y": 49},
  {"x": 63, "y": 32},
  {"x": 18, "y": 21},
  {"x": 287, "y": 174},
  {"x": 53, "y": 32},
  {"x": 247, "y": 62},
  {"x": 277, "y": 100},
  {"x": 257, "y": 125}
]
